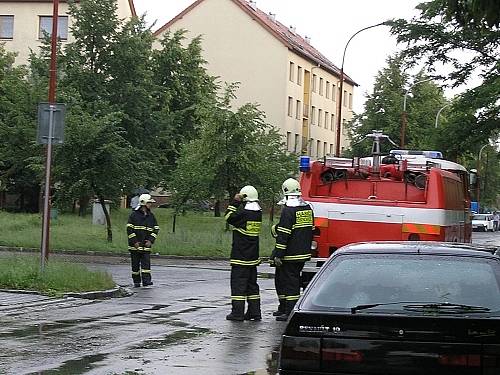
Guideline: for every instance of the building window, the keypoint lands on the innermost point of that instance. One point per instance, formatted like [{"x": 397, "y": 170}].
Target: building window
[
  {"x": 334, "y": 92},
  {"x": 296, "y": 145},
  {"x": 331, "y": 149},
  {"x": 315, "y": 83},
  {"x": 290, "y": 106},
  {"x": 318, "y": 145},
  {"x": 327, "y": 118},
  {"x": 312, "y": 146},
  {"x": 298, "y": 108},
  {"x": 350, "y": 101},
  {"x": 344, "y": 99},
  {"x": 344, "y": 130},
  {"x": 320, "y": 116},
  {"x": 288, "y": 140},
  {"x": 313, "y": 115},
  {"x": 45, "y": 27},
  {"x": 321, "y": 86},
  {"x": 325, "y": 149},
  {"x": 327, "y": 90},
  {"x": 299, "y": 75},
  {"x": 332, "y": 123},
  {"x": 6, "y": 27},
  {"x": 291, "y": 72}
]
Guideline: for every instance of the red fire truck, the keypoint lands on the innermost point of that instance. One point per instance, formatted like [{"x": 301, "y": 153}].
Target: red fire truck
[{"x": 405, "y": 195}]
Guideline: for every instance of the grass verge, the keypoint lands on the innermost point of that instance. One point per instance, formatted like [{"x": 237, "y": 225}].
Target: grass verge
[
  {"x": 197, "y": 234},
  {"x": 23, "y": 272}
]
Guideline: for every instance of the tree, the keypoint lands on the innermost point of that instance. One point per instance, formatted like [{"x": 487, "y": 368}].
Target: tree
[
  {"x": 384, "y": 110},
  {"x": 183, "y": 90},
  {"x": 20, "y": 156},
  {"x": 235, "y": 148},
  {"x": 445, "y": 27}
]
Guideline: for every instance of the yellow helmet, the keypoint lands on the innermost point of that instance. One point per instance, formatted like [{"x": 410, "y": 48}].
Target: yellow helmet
[
  {"x": 291, "y": 187},
  {"x": 249, "y": 194}
]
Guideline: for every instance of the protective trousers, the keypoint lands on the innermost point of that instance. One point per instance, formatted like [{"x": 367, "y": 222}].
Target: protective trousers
[
  {"x": 289, "y": 283},
  {"x": 141, "y": 267},
  {"x": 244, "y": 287},
  {"x": 279, "y": 290}
]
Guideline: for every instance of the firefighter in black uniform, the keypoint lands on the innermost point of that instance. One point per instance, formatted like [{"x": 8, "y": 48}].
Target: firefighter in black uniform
[
  {"x": 294, "y": 234},
  {"x": 142, "y": 230},
  {"x": 245, "y": 215}
]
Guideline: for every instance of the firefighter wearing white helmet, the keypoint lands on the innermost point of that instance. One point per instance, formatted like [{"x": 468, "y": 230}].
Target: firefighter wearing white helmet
[
  {"x": 245, "y": 215},
  {"x": 293, "y": 236},
  {"x": 142, "y": 230}
]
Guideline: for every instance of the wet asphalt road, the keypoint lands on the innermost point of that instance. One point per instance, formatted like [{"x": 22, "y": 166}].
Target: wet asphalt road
[{"x": 177, "y": 326}]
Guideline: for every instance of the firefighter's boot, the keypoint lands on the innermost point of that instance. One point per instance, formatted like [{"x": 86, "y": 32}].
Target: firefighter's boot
[
  {"x": 253, "y": 312},
  {"x": 281, "y": 308},
  {"x": 237, "y": 312},
  {"x": 289, "y": 305}
]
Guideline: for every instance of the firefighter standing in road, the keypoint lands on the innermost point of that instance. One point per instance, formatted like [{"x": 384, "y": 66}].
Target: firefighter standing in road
[
  {"x": 245, "y": 215},
  {"x": 142, "y": 230},
  {"x": 293, "y": 246}
]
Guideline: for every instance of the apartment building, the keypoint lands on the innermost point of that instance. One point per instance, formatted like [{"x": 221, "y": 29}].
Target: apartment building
[
  {"x": 296, "y": 86},
  {"x": 23, "y": 23}
]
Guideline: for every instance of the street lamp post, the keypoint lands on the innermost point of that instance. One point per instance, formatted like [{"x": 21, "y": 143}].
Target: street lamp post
[
  {"x": 341, "y": 87},
  {"x": 439, "y": 112},
  {"x": 404, "y": 116},
  {"x": 478, "y": 184}
]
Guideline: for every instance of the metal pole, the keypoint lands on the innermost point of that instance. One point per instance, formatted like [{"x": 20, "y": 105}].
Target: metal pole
[
  {"x": 404, "y": 117},
  {"x": 341, "y": 87},
  {"x": 478, "y": 185},
  {"x": 48, "y": 159},
  {"x": 439, "y": 112}
]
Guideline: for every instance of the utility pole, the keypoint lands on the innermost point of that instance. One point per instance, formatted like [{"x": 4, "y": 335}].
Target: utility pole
[{"x": 45, "y": 244}]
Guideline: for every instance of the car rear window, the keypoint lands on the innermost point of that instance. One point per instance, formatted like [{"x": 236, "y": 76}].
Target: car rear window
[
  {"x": 480, "y": 217},
  {"x": 352, "y": 280}
]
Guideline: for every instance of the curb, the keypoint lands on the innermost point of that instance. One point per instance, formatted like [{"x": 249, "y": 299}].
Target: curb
[{"x": 108, "y": 254}]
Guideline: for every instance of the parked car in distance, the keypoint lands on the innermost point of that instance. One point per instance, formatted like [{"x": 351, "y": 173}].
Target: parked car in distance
[
  {"x": 483, "y": 222},
  {"x": 398, "y": 308}
]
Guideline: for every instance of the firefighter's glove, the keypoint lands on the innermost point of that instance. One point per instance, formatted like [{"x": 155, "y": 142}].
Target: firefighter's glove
[
  {"x": 278, "y": 262},
  {"x": 147, "y": 243}
]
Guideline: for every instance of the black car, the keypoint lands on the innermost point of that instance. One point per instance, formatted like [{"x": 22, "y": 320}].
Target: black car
[{"x": 398, "y": 308}]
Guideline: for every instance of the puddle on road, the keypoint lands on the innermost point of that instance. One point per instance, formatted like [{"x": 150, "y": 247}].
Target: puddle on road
[
  {"x": 272, "y": 365},
  {"x": 77, "y": 366},
  {"x": 174, "y": 338}
]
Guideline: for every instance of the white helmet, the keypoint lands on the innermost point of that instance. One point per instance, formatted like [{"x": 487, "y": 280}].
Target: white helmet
[
  {"x": 249, "y": 194},
  {"x": 145, "y": 198},
  {"x": 291, "y": 187}
]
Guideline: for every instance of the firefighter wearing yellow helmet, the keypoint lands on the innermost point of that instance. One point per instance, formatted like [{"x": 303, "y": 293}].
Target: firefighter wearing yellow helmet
[
  {"x": 245, "y": 215},
  {"x": 142, "y": 230},
  {"x": 293, "y": 236}
]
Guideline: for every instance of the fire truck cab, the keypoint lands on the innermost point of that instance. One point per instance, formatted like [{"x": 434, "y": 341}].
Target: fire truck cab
[{"x": 405, "y": 195}]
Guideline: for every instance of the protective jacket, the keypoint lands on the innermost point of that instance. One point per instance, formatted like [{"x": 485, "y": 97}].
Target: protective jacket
[
  {"x": 246, "y": 219},
  {"x": 141, "y": 227},
  {"x": 294, "y": 232}
]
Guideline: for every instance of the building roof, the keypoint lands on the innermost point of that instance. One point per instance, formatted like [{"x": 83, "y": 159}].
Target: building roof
[
  {"x": 287, "y": 36},
  {"x": 130, "y": 3}
]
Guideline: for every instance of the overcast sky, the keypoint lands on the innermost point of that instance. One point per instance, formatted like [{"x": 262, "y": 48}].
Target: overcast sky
[{"x": 329, "y": 23}]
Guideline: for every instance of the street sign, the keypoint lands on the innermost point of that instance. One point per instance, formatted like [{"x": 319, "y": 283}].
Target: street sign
[{"x": 51, "y": 114}]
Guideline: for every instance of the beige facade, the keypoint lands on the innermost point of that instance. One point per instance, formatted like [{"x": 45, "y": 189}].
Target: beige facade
[
  {"x": 21, "y": 23},
  {"x": 298, "y": 94}
]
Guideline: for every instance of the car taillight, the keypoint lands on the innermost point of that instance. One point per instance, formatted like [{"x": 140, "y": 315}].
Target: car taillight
[
  {"x": 462, "y": 360},
  {"x": 341, "y": 355},
  {"x": 300, "y": 353}
]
